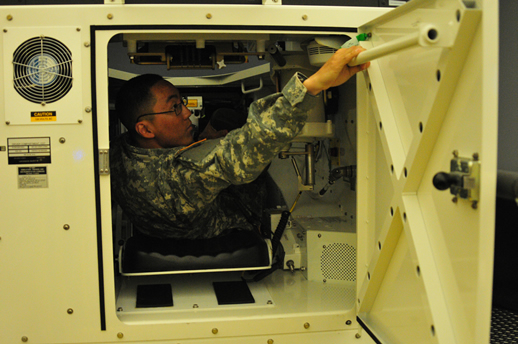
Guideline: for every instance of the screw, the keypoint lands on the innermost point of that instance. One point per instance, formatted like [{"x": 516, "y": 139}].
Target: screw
[
  {"x": 306, "y": 325},
  {"x": 5, "y": 30},
  {"x": 79, "y": 121},
  {"x": 454, "y": 199},
  {"x": 120, "y": 309},
  {"x": 62, "y": 140},
  {"x": 9, "y": 17},
  {"x": 270, "y": 302},
  {"x": 88, "y": 109},
  {"x": 348, "y": 322},
  {"x": 215, "y": 331},
  {"x": 474, "y": 205},
  {"x": 120, "y": 335},
  {"x": 87, "y": 44},
  {"x": 304, "y": 17},
  {"x": 43, "y": 103},
  {"x": 70, "y": 311},
  {"x": 25, "y": 339},
  {"x": 78, "y": 29},
  {"x": 110, "y": 16},
  {"x": 324, "y": 280},
  {"x": 320, "y": 235},
  {"x": 7, "y": 122},
  {"x": 208, "y": 16},
  {"x": 66, "y": 227},
  {"x": 195, "y": 306},
  {"x": 358, "y": 336},
  {"x": 270, "y": 341}
]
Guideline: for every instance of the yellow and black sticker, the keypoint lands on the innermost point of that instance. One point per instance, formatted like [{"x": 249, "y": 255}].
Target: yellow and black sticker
[
  {"x": 43, "y": 116},
  {"x": 192, "y": 103}
]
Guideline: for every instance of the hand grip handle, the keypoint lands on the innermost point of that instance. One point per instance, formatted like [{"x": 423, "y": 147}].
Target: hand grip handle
[{"x": 443, "y": 180}]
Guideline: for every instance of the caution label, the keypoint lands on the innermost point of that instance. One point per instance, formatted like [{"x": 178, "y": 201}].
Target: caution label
[
  {"x": 43, "y": 116},
  {"x": 192, "y": 103}
]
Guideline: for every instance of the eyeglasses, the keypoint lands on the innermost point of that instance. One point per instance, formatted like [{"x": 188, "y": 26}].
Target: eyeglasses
[{"x": 177, "y": 109}]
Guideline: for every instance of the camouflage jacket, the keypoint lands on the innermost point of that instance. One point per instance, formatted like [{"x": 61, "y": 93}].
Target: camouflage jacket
[{"x": 202, "y": 190}]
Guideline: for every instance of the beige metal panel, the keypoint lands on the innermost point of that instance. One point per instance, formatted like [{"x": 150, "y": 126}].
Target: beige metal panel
[
  {"x": 48, "y": 249},
  {"x": 52, "y": 269},
  {"x": 309, "y": 338},
  {"x": 18, "y": 110},
  {"x": 253, "y": 16},
  {"x": 427, "y": 273}
]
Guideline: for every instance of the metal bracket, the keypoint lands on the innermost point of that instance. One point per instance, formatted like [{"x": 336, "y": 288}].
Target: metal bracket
[
  {"x": 463, "y": 179},
  {"x": 104, "y": 161},
  {"x": 260, "y": 87},
  {"x": 310, "y": 166}
]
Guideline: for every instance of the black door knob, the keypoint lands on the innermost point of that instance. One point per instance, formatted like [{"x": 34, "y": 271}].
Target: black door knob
[{"x": 443, "y": 180}]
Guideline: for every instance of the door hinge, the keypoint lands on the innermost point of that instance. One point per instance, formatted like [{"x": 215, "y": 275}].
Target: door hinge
[{"x": 104, "y": 161}]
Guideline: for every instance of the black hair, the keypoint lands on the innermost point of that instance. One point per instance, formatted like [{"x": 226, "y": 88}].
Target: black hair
[{"x": 135, "y": 98}]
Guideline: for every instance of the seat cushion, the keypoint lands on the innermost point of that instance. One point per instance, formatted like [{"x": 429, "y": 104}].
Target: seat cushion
[{"x": 238, "y": 249}]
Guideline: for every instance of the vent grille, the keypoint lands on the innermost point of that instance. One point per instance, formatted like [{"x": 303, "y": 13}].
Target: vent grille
[
  {"x": 42, "y": 70},
  {"x": 320, "y": 49},
  {"x": 338, "y": 262}
]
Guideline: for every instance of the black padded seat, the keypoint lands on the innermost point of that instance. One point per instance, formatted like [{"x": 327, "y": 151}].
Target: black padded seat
[{"x": 238, "y": 250}]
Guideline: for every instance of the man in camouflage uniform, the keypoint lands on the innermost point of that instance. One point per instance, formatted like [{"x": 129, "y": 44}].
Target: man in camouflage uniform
[{"x": 171, "y": 187}]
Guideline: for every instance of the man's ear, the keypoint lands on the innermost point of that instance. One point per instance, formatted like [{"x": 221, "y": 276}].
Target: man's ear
[{"x": 143, "y": 130}]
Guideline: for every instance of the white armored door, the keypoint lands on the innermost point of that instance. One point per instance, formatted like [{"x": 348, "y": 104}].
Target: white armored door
[{"x": 429, "y": 105}]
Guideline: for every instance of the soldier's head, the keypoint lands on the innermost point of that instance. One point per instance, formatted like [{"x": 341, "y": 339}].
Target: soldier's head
[{"x": 153, "y": 111}]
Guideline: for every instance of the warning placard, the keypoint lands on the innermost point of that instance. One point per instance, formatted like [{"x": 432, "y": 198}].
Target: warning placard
[
  {"x": 43, "y": 116},
  {"x": 32, "y": 178}
]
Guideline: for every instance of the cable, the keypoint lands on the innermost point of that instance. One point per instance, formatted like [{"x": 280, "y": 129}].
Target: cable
[{"x": 276, "y": 242}]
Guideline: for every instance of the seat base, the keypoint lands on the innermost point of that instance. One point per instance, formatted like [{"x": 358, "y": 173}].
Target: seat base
[{"x": 237, "y": 251}]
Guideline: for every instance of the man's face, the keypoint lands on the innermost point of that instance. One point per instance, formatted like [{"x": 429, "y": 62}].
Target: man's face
[{"x": 170, "y": 129}]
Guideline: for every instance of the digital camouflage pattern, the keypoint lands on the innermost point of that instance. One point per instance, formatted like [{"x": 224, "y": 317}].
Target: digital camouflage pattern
[{"x": 203, "y": 190}]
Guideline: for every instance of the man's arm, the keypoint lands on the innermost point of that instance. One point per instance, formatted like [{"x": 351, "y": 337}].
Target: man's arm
[
  {"x": 335, "y": 71},
  {"x": 273, "y": 122}
]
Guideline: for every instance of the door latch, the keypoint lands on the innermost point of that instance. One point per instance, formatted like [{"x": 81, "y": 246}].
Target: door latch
[{"x": 463, "y": 180}]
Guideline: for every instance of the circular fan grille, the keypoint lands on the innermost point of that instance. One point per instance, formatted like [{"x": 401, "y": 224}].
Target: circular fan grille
[{"x": 42, "y": 70}]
